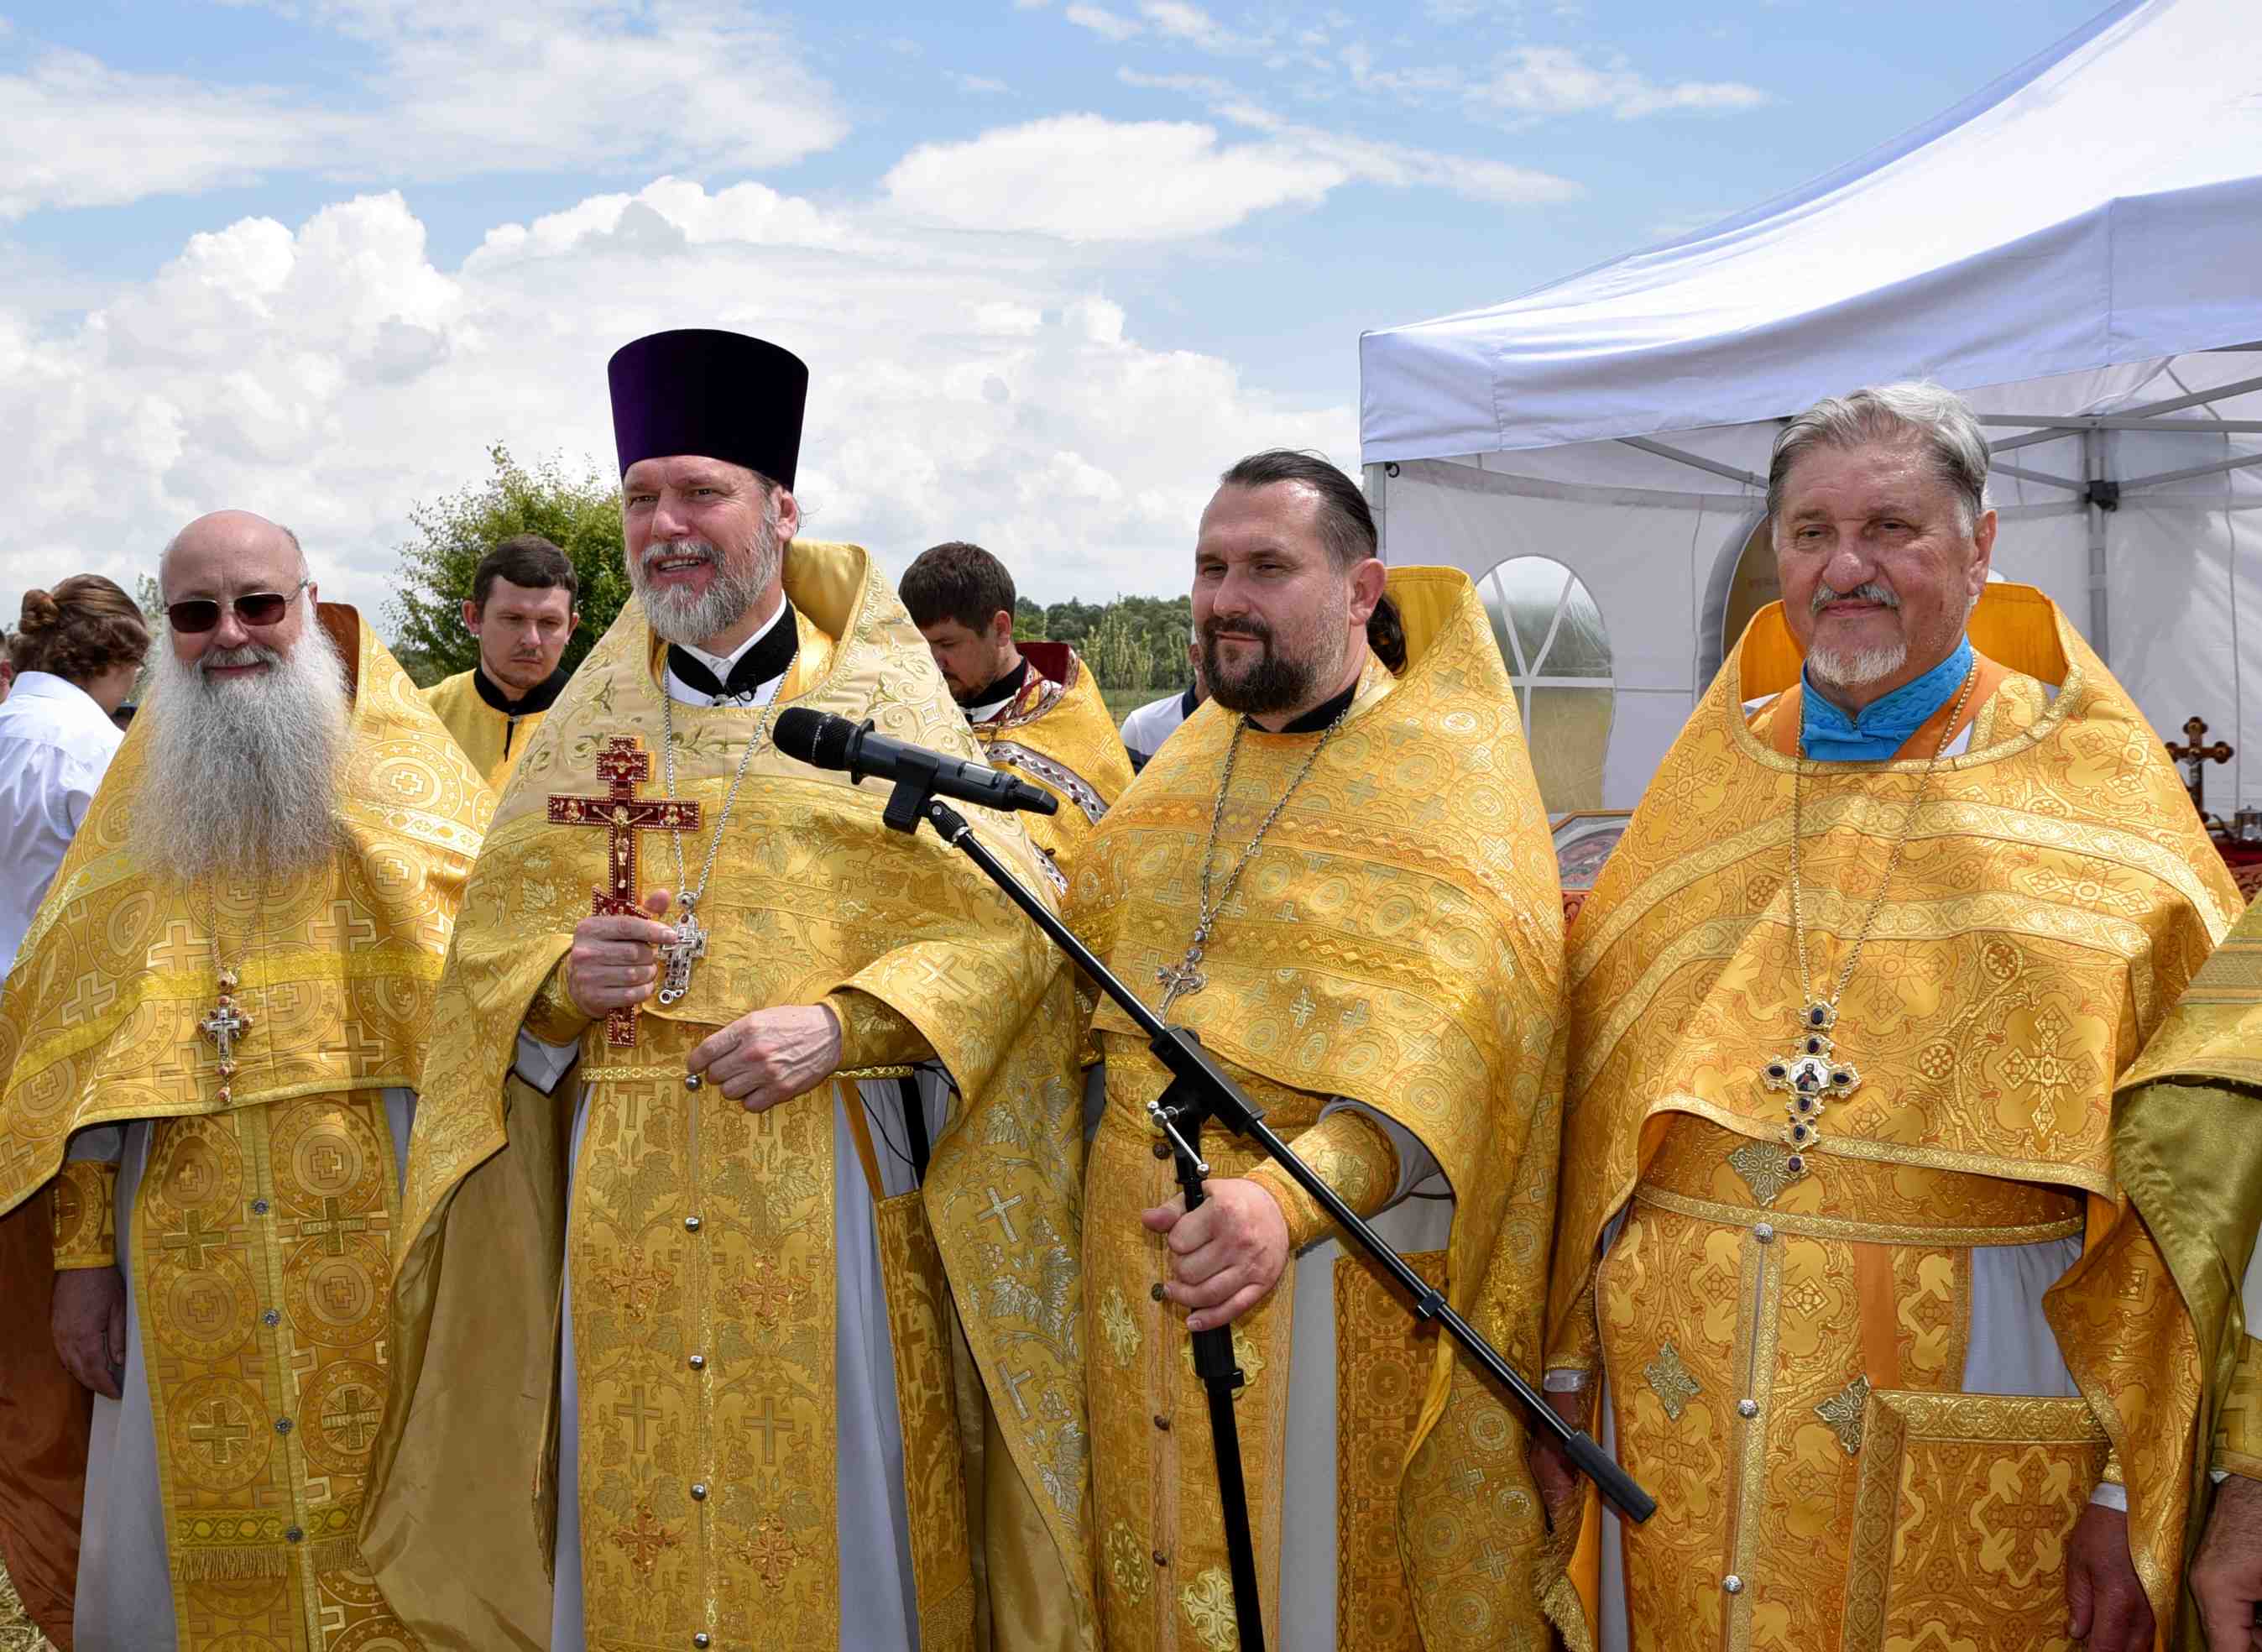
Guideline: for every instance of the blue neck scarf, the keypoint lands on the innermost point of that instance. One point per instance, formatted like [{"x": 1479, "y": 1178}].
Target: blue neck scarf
[{"x": 1831, "y": 735}]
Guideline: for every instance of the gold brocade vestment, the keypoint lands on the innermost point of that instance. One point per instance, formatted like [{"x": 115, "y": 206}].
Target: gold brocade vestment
[
  {"x": 1395, "y": 942},
  {"x": 1059, "y": 734},
  {"x": 259, "y": 1235},
  {"x": 1786, "y": 1345},
  {"x": 493, "y": 734},
  {"x": 707, "y": 1486},
  {"x": 2186, "y": 1144}
]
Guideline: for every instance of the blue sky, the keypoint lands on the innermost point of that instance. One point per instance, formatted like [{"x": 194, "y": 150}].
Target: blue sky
[{"x": 1053, "y": 265}]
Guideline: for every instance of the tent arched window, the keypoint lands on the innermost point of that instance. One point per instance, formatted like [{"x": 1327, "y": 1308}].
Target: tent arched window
[{"x": 1550, "y": 635}]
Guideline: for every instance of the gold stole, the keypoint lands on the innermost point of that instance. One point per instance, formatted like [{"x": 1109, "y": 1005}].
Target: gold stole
[
  {"x": 260, "y": 1265},
  {"x": 702, "y": 1254}
]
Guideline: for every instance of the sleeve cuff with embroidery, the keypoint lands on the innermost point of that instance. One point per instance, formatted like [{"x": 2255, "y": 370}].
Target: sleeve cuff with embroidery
[
  {"x": 1353, "y": 1156},
  {"x": 2238, "y": 1425},
  {"x": 553, "y": 1017},
  {"x": 86, "y": 1214},
  {"x": 874, "y": 1034}
]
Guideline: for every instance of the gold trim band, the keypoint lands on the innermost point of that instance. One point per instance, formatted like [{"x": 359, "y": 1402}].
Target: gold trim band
[{"x": 1846, "y": 1227}]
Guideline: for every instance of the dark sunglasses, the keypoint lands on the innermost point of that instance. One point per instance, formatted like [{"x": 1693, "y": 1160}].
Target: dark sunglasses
[{"x": 259, "y": 608}]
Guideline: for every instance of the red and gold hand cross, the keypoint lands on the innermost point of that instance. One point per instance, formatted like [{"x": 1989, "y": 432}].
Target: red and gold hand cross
[{"x": 623, "y": 765}]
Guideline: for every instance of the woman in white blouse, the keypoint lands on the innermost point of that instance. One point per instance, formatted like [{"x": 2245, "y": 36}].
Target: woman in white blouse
[{"x": 75, "y": 654}]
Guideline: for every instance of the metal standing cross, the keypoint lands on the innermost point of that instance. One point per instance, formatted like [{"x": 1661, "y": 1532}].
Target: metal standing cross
[{"x": 624, "y": 765}]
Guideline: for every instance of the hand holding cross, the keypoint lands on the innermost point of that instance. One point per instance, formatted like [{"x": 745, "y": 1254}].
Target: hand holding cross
[{"x": 622, "y": 941}]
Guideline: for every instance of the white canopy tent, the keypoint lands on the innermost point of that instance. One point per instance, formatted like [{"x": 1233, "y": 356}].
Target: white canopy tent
[{"x": 2078, "y": 248}]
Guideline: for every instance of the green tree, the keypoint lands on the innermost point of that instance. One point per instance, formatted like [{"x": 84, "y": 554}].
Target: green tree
[
  {"x": 579, "y": 512},
  {"x": 1118, "y": 651},
  {"x": 150, "y": 599},
  {"x": 1071, "y": 622},
  {"x": 1028, "y": 621}
]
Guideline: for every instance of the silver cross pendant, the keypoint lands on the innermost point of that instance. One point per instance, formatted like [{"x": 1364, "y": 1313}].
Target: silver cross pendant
[
  {"x": 678, "y": 955},
  {"x": 1180, "y": 980}
]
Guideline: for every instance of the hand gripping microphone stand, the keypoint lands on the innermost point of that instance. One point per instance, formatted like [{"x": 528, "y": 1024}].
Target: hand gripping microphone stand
[{"x": 1198, "y": 1091}]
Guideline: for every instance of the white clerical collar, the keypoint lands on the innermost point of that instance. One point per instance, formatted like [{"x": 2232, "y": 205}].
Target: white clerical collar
[{"x": 721, "y": 665}]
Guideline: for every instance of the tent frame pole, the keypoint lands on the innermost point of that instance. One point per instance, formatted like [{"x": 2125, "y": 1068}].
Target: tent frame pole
[{"x": 2092, "y": 464}]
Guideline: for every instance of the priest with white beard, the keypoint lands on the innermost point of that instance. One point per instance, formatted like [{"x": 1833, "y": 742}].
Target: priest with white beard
[{"x": 206, "y": 1051}]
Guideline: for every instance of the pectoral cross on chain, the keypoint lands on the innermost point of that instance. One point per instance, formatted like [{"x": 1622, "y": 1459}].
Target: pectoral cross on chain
[
  {"x": 1179, "y": 979},
  {"x": 624, "y": 765},
  {"x": 224, "y": 1026},
  {"x": 677, "y": 956}
]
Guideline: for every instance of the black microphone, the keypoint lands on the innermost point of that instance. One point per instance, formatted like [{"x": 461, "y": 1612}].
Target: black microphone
[{"x": 825, "y": 742}]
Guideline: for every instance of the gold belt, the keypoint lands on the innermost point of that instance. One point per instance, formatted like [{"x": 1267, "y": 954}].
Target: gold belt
[{"x": 1852, "y": 1228}]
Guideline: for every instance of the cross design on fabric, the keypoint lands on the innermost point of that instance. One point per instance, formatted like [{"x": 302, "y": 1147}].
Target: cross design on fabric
[
  {"x": 773, "y": 1423},
  {"x": 220, "y": 1433},
  {"x": 1671, "y": 1382},
  {"x": 194, "y": 1239},
  {"x": 333, "y": 1226},
  {"x": 1013, "y": 1380},
  {"x": 996, "y": 1212},
  {"x": 639, "y": 1413},
  {"x": 645, "y": 1540},
  {"x": 624, "y": 765},
  {"x": 352, "y": 1418},
  {"x": 1762, "y": 1166}
]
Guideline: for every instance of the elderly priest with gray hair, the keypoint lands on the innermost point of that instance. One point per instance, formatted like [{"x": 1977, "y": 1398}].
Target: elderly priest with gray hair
[
  {"x": 697, "y": 1347},
  {"x": 206, "y": 1050},
  {"x": 1882, "y": 1309}
]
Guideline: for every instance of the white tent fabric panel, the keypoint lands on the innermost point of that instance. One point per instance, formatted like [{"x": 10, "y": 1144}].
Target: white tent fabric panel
[
  {"x": 2102, "y": 204},
  {"x": 2075, "y": 249}
]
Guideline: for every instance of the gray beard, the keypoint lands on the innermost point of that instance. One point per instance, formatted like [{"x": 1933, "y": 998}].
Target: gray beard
[
  {"x": 1844, "y": 670},
  {"x": 687, "y": 620},
  {"x": 242, "y": 780}
]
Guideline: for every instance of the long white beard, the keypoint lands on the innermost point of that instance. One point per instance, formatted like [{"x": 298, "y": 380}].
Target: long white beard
[
  {"x": 243, "y": 773},
  {"x": 680, "y": 617}
]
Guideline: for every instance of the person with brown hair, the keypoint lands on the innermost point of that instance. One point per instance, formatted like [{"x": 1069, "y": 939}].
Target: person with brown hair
[
  {"x": 522, "y": 611},
  {"x": 74, "y": 657}
]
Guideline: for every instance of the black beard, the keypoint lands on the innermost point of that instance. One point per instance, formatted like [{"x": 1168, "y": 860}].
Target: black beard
[{"x": 1275, "y": 683}]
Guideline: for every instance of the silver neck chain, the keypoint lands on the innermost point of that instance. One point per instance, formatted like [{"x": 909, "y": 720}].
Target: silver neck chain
[
  {"x": 686, "y": 897},
  {"x": 1209, "y": 909}
]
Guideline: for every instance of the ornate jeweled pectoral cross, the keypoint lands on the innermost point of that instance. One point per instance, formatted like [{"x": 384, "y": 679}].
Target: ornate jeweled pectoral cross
[
  {"x": 1815, "y": 1077},
  {"x": 624, "y": 765},
  {"x": 1181, "y": 979},
  {"x": 224, "y": 1026},
  {"x": 677, "y": 956}
]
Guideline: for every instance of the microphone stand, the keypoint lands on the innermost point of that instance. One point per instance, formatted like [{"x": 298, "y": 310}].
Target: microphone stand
[{"x": 1198, "y": 1091}]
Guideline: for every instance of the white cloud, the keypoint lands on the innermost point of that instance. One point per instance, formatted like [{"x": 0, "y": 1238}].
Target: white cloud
[
  {"x": 985, "y": 84},
  {"x": 1109, "y": 24},
  {"x": 1085, "y": 178},
  {"x": 83, "y": 134},
  {"x": 1549, "y": 80},
  {"x": 329, "y": 374},
  {"x": 1193, "y": 25},
  {"x": 452, "y": 91}
]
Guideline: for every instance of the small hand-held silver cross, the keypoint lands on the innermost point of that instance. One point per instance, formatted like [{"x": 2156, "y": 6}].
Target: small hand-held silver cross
[{"x": 678, "y": 955}]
